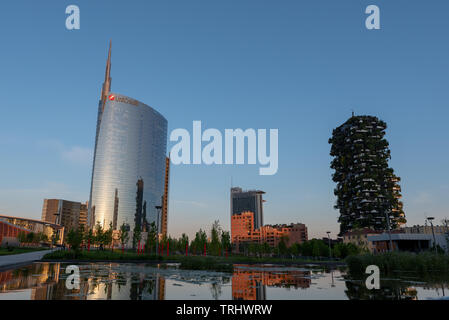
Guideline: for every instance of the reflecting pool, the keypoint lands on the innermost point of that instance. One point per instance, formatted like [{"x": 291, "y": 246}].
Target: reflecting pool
[{"x": 123, "y": 281}]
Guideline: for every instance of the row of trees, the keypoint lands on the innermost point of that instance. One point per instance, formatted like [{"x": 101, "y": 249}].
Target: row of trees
[
  {"x": 218, "y": 242},
  {"x": 31, "y": 237},
  {"x": 97, "y": 237},
  {"x": 312, "y": 248}
]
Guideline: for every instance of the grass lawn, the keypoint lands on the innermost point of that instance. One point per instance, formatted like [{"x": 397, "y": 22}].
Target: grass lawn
[
  {"x": 190, "y": 262},
  {"x": 18, "y": 250},
  {"x": 99, "y": 255}
]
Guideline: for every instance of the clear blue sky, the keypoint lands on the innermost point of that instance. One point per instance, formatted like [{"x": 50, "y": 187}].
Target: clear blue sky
[{"x": 299, "y": 66}]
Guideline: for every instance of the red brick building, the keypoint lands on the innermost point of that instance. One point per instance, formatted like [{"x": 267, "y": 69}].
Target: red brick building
[{"x": 242, "y": 231}]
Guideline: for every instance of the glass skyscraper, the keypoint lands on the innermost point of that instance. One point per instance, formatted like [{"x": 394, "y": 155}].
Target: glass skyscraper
[
  {"x": 244, "y": 201},
  {"x": 129, "y": 161}
]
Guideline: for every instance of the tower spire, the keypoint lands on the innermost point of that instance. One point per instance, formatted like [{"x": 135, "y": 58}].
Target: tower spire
[{"x": 107, "y": 79}]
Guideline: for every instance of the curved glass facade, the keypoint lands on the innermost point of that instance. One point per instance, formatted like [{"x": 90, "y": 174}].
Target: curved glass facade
[{"x": 129, "y": 164}]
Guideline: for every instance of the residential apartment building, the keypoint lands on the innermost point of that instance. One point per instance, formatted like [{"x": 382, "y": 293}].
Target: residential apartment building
[
  {"x": 69, "y": 214},
  {"x": 243, "y": 231}
]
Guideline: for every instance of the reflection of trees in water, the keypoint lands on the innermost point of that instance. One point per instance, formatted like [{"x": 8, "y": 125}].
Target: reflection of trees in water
[
  {"x": 404, "y": 288},
  {"x": 141, "y": 287},
  {"x": 215, "y": 287},
  {"x": 34, "y": 276},
  {"x": 389, "y": 290}
]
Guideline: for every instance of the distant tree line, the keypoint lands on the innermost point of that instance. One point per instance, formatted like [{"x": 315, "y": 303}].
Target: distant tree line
[
  {"x": 216, "y": 243},
  {"x": 311, "y": 248},
  {"x": 31, "y": 238}
]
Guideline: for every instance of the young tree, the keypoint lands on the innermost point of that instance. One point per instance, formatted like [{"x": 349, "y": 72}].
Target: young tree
[
  {"x": 152, "y": 237},
  {"x": 183, "y": 242},
  {"x": 124, "y": 235},
  {"x": 137, "y": 236},
  {"x": 199, "y": 241},
  {"x": 337, "y": 252},
  {"x": 266, "y": 249},
  {"x": 282, "y": 245},
  {"x": 225, "y": 240},
  {"x": 99, "y": 237},
  {"x": 107, "y": 235},
  {"x": 74, "y": 239},
  {"x": 215, "y": 234},
  {"x": 30, "y": 237},
  {"x": 315, "y": 249},
  {"x": 294, "y": 249}
]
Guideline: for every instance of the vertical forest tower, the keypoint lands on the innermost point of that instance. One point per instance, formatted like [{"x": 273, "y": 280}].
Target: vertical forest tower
[{"x": 367, "y": 189}]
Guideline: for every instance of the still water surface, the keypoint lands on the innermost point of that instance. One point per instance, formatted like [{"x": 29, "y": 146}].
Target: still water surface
[{"x": 47, "y": 281}]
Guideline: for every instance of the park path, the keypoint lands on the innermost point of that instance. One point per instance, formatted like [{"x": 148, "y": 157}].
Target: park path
[{"x": 22, "y": 258}]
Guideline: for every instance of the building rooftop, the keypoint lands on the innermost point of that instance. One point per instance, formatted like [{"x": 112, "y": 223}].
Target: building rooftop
[
  {"x": 400, "y": 236},
  {"x": 360, "y": 232},
  {"x": 3, "y": 217},
  {"x": 240, "y": 190}
]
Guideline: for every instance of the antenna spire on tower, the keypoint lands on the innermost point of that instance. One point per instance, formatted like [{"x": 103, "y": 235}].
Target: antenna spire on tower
[{"x": 107, "y": 78}]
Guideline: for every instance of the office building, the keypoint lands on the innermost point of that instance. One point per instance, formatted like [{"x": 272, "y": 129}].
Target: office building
[
  {"x": 129, "y": 161},
  {"x": 69, "y": 214},
  {"x": 10, "y": 227},
  {"x": 248, "y": 201}
]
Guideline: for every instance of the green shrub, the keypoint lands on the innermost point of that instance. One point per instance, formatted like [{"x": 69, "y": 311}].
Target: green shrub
[{"x": 391, "y": 262}]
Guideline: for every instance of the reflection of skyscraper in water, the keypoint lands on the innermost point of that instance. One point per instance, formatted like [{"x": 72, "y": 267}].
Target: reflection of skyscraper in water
[
  {"x": 130, "y": 149},
  {"x": 247, "y": 285},
  {"x": 161, "y": 288},
  {"x": 116, "y": 285},
  {"x": 250, "y": 284}
]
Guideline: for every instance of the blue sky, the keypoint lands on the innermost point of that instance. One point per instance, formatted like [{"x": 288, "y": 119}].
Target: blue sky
[{"x": 298, "y": 66}]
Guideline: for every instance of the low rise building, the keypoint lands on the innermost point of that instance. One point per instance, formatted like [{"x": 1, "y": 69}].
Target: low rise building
[
  {"x": 12, "y": 226},
  {"x": 243, "y": 231},
  {"x": 412, "y": 242},
  {"x": 360, "y": 238},
  {"x": 416, "y": 229},
  {"x": 69, "y": 214}
]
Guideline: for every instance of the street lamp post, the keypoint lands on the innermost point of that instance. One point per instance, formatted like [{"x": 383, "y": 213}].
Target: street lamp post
[
  {"x": 389, "y": 230},
  {"x": 158, "y": 209},
  {"x": 329, "y": 241},
  {"x": 433, "y": 233},
  {"x": 58, "y": 215}
]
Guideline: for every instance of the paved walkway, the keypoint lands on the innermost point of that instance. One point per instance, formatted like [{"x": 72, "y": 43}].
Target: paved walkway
[{"x": 23, "y": 258}]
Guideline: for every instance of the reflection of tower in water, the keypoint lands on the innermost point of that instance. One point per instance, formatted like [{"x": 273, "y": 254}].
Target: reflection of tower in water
[
  {"x": 96, "y": 282},
  {"x": 250, "y": 284}
]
